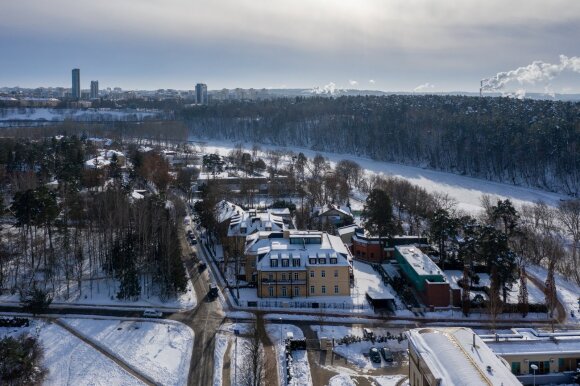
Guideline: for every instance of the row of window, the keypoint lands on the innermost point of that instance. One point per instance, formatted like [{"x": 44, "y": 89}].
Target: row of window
[
  {"x": 284, "y": 290},
  {"x": 296, "y": 275},
  {"x": 285, "y": 262}
]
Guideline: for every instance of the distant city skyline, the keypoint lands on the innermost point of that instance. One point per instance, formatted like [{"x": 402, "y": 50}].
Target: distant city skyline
[{"x": 369, "y": 44}]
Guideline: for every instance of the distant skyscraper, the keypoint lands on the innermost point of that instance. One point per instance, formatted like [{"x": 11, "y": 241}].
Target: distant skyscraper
[
  {"x": 201, "y": 93},
  {"x": 76, "y": 83},
  {"x": 94, "y": 89}
]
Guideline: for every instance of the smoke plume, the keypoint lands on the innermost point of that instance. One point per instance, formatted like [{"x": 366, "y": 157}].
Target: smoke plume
[{"x": 537, "y": 72}]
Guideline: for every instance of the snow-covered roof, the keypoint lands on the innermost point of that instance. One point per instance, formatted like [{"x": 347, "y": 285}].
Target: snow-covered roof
[
  {"x": 419, "y": 261},
  {"x": 313, "y": 248},
  {"x": 341, "y": 209},
  {"x": 252, "y": 221},
  {"x": 228, "y": 211},
  {"x": 452, "y": 357},
  {"x": 347, "y": 229},
  {"x": 536, "y": 346}
]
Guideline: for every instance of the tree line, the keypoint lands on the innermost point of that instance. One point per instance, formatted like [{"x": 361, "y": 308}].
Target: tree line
[{"x": 524, "y": 142}]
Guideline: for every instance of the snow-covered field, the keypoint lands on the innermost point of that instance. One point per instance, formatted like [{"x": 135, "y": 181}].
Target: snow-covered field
[
  {"x": 300, "y": 366},
  {"x": 160, "y": 350},
  {"x": 70, "y": 361},
  {"x": 466, "y": 190},
  {"x": 103, "y": 293}
]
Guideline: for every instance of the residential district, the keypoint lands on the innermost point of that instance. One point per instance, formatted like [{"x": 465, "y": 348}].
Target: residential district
[{"x": 179, "y": 263}]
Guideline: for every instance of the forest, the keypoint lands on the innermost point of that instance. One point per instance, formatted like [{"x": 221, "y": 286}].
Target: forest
[
  {"x": 532, "y": 143},
  {"x": 66, "y": 224}
]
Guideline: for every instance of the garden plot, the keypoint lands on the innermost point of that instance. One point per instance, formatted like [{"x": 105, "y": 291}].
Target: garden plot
[
  {"x": 300, "y": 369},
  {"x": 160, "y": 350},
  {"x": 70, "y": 361}
]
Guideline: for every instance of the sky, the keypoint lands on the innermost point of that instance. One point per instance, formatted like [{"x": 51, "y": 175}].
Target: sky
[{"x": 390, "y": 45}]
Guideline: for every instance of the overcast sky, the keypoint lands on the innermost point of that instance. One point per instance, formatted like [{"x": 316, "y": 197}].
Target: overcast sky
[{"x": 392, "y": 45}]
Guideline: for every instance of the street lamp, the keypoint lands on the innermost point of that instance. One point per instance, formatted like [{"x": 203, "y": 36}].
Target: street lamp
[{"x": 534, "y": 368}]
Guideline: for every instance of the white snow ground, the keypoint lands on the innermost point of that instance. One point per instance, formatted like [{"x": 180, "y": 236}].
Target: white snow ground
[
  {"x": 161, "y": 350},
  {"x": 466, "y": 190},
  {"x": 70, "y": 361}
]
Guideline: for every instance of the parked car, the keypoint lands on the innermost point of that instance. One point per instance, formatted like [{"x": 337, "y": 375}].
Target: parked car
[
  {"x": 387, "y": 354},
  {"x": 367, "y": 333},
  {"x": 213, "y": 291},
  {"x": 374, "y": 355},
  {"x": 202, "y": 266},
  {"x": 193, "y": 241},
  {"x": 151, "y": 313}
]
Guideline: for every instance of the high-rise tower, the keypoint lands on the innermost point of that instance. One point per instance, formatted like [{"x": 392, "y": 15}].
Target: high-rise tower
[{"x": 76, "y": 84}]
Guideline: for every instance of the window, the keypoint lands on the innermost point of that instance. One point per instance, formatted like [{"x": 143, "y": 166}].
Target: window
[
  {"x": 321, "y": 261},
  {"x": 323, "y": 289},
  {"x": 336, "y": 273},
  {"x": 296, "y": 291},
  {"x": 335, "y": 289},
  {"x": 372, "y": 255},
  {"x": 311, "y": 273},
  {"x": 296, "y": 262},
  {"x": 271, "y": 291},
  {"x": 283, "y": 291},
  {"x": 516, "y": 369},
  {"x": 333, "y": 260},
  {"x": 283, "y": 277},
  {"x": 295, "y": 275},
  {"x": 323, "y": 273},
  {"x": 273, "y": 263},
  {"x": 253, "y": 263},
  {"x": 285, "y": 262},
  {"x": 311, "y": 289},
  {"x": 270, "y": 277},
  {"x": 311, "y": 261}
]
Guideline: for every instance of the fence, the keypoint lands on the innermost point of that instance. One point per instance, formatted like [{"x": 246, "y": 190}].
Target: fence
[{"x": 301, "y": 304}]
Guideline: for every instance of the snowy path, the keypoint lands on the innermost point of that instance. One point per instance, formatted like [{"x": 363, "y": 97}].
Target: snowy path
[{"x": 466, "y": 190}]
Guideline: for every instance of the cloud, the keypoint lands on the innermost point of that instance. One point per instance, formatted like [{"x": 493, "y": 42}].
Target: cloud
[
  {"x": 536, "y": 72},
  {"x": 353, "y": 83},
  {"x": 424, "y": 87},
  {"x": 371, "y": 81}
]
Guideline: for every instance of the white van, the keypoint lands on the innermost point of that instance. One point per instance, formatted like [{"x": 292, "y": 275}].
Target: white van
[{"x": 150, "y": 313}]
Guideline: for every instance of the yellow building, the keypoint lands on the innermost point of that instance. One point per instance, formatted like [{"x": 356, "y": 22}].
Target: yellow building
[{"x": 298, "y": 264}]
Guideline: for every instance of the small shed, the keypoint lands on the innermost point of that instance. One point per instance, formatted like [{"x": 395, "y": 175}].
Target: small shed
[{"x": 381, "y": 300}]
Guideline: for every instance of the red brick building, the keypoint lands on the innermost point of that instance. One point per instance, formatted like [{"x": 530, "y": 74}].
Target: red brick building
[{"x": 368, "y": 248}]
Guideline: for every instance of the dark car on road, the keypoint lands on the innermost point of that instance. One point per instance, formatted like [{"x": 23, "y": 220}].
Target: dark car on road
[{"x": 202, "y": 266}]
